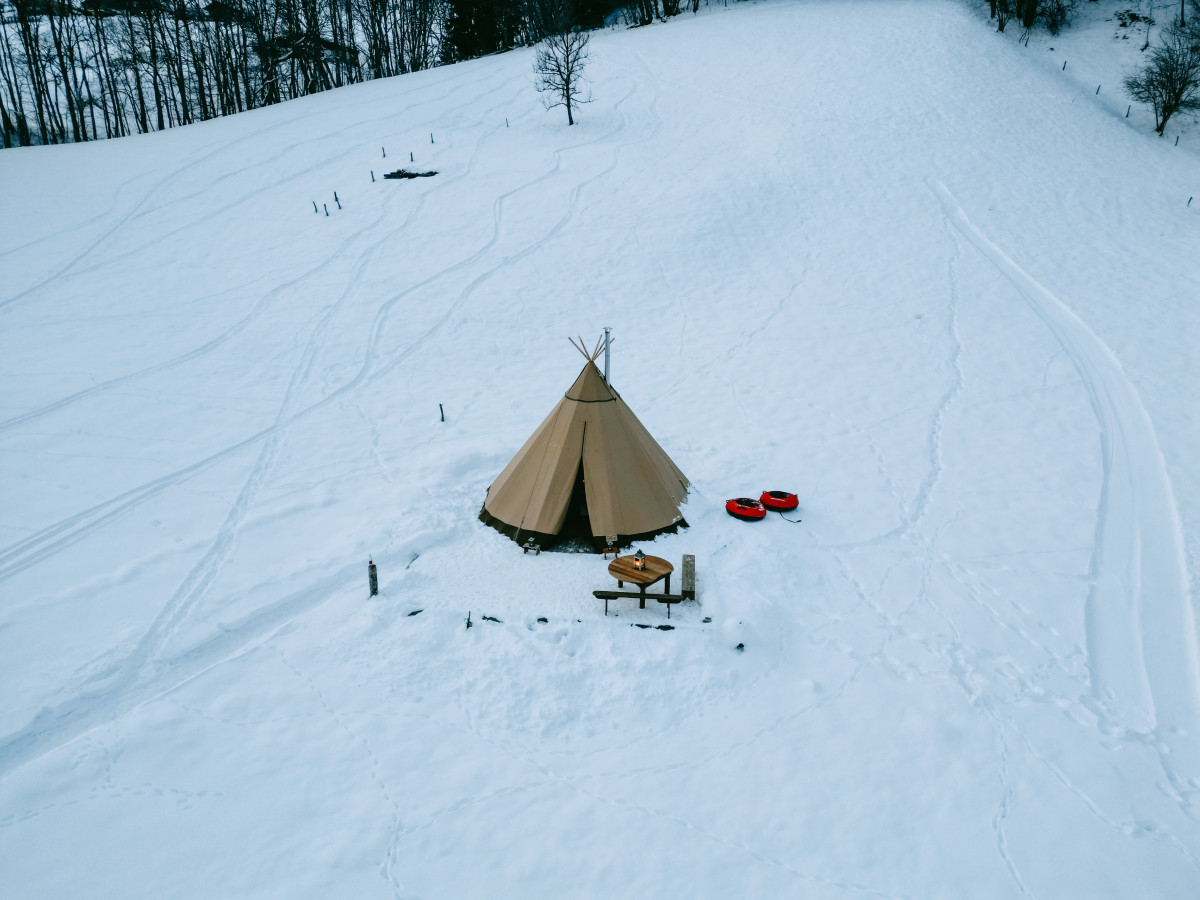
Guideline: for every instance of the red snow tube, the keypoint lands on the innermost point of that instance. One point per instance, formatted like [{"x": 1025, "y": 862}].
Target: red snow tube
[
  {"x": 745, "y": 508},
  {"x": 779, "y": 501}
]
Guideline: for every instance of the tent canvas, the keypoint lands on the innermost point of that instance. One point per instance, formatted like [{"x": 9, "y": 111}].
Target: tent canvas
[{"x": 591, "y": 446}]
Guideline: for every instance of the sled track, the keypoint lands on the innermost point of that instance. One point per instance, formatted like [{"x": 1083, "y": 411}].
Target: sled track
[
  {"x": 208, "y": 152},
  {"x": 264, "y": 301},
  {"x": 1141, "y": 629},
  {"x": 53, "y": 727},
  {"x": 34, "y": 549}
]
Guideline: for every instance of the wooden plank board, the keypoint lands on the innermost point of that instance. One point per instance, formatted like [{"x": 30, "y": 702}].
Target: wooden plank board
[
  {"x": 688, "y": 587},
  {"x": 634, "y": 595}
]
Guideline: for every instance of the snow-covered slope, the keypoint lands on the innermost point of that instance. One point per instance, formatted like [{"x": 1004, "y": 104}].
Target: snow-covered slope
[{"x": 870, "y": 252}]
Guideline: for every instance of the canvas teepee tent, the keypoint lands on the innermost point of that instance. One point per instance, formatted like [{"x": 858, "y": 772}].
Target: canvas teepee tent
[{"x": 590, "y": 470}]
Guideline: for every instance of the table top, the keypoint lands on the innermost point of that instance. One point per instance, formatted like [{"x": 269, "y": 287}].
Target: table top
[{"x": 622, "y": 569}]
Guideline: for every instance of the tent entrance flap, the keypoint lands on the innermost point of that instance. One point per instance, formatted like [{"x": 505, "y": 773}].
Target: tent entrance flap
[{"x": 577, "y": 523}]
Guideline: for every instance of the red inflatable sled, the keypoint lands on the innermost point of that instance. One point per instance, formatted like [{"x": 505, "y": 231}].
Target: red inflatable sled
[
  {"x": 746, "y": 509},
  {"x": 779, "y": 501}
]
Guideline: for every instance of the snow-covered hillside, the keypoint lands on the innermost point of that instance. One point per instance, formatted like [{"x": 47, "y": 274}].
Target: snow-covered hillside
[{"x": 871, "y": 252}]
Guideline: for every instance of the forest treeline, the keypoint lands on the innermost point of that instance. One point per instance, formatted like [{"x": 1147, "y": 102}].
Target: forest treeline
[{"x": 81, "y": 70}]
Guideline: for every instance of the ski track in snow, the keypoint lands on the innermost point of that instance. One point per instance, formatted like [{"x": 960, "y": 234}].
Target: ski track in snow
[
  {"x": 53, "y": 727},
  {"x": 54, "y": 538},
  {"x": 372, "y": 120},
  {"x": 246, "y": 198},
  {"x": 343, "y": 250},
  {"x": 140, "y": 674},
  {"x": 50, "y": 540},
  {"x": 959, "y": 658},
  {"x": 1141, "y": 629},
  {"x": 34, "y": 549},
  {"x": 196, "y": 584}
]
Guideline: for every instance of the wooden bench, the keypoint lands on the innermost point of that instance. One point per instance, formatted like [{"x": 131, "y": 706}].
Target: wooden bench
[
  {"x": 637, "y": 595},
  {"x": 688, "y": 588}
]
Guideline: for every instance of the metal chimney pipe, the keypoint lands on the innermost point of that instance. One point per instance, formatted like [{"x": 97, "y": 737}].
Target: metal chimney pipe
[{"x": 607, "y": 329}]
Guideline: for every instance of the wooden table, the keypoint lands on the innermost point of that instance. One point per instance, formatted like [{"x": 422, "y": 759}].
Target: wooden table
[{"x": 623, "y": 570}]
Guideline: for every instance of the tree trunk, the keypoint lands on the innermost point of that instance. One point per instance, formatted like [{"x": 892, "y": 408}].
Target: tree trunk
[
  {"x": 120, "y": 124},
  {"x": 151, "y": 33},
  {"x": 100, "y": 59},
  {"x": 1029, "y": 13},
  {"x": 198, "y": 62},
  {"x": 74, "y": 112},
  {"x": 142, "y": 113},
  {"x": 7, "y": 128},
  {"x": 12, "y": 82},
  {"x": 251, "y": 100},
  {"x": 37, "y": 82}
]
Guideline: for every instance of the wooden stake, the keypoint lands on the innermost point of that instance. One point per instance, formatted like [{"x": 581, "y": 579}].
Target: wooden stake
[
  {"x": 372, "y": 577},
  {"x": 442, "y": 411}
]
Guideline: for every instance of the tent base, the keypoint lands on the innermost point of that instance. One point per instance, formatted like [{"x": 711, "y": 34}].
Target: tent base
[{"x": 564, "y": 544}]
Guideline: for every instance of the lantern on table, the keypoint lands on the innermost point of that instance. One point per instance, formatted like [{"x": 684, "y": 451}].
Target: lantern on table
[{"x": 639, "y": 560}]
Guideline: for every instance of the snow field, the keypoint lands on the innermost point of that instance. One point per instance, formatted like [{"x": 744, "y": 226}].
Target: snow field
[{"x": 837, "y": 258}]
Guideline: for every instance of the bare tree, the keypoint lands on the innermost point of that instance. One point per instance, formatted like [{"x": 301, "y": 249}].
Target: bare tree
[
  {"x": 1055, "y": 14},
  {"x": 1002, "y": 11},
  {"x": 561, "y": 58},
  {"x": 1170, "y": 82},
  {"x": 643, "y": 11},
  {"x": 1026, "y": 11}
]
